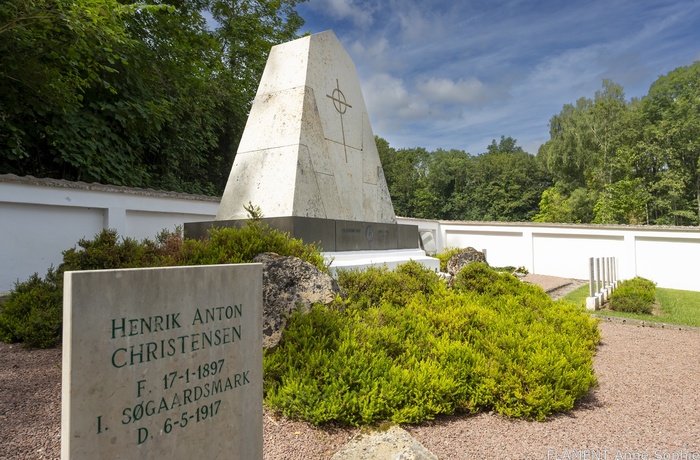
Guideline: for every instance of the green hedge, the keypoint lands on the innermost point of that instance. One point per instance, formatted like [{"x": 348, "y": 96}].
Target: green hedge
[
  {"x": 634, "y": 296},
  {"x": 33, "y": 313},
  {"x": 407, "y": 348}
]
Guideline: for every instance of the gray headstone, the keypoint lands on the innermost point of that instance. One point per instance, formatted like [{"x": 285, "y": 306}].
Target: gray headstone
[{"x": 163, "y": 363}]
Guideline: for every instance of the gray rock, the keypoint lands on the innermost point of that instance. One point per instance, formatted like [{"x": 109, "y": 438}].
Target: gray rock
[
  {"x": 289, "y": 282},
  {"x": 392, "y": 444},
  {"x": 462, "y": 258}
]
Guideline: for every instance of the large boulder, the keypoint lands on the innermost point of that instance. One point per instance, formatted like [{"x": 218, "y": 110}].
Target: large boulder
[
  {"x": 462, "y": 258},
  {"x": 289, "y": 282}
]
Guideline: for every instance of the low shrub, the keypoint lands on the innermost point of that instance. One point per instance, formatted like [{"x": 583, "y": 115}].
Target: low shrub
[
  {"x": 32, "y": 314},
  {"x": 432, "y": 350},
  {"x": 232, "y": 246},
  {"x": 373, "y": 285},
  {"x": 634, "y": 296}
]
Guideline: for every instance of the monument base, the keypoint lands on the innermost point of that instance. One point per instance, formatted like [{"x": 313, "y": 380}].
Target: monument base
[
  {"x": 331, "y": 235},
  {"x": 349, "y": 260}
]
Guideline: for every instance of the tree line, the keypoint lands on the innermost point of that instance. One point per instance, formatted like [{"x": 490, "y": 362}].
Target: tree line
[
  {"x": 504, "y": 183},
  {"x": 608, "y": 161},
  {"x": 147, "y": 94},
  {"x": 157, "y": 95}
]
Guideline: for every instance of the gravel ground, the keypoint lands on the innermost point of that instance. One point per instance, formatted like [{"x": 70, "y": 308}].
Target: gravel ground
[{"x": 645, "y": 406}]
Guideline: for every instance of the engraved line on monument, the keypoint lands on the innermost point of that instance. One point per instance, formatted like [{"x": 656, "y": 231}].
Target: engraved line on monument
[{"x": 341, "y": 106}]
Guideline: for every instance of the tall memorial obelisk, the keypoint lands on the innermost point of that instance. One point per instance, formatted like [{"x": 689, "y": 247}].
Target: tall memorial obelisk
[
  {"x": 308, "y": 149},
  {"x": 307, "y": 157}
]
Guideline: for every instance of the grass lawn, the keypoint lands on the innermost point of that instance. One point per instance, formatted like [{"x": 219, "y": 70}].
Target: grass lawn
[{"x": 677, "y": 307}]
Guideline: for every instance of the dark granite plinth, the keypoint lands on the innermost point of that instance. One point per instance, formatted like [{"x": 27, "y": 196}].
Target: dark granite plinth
[{"x": 331, "y": 235}]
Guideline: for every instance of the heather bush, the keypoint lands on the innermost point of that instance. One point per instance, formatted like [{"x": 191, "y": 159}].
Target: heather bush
[
  {"x": 410, "y": 356},
  {"x": 232, "y": 246},
  {"x": 32, "y": 314},
  {"x": 634, "y": 296}
]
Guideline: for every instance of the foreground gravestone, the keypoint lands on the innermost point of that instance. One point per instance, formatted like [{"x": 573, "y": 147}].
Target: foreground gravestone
[{"x": 163, "y": 363}]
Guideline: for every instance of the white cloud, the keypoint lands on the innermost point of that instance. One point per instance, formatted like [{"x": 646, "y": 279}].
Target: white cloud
[
  {"x": 462, "y": 91},
  {"x": 361, "y": 15},
  {"x": 454, "y": 74},
  {"x": 375, "y": 50},
  {"x": 387, "y": 97}
]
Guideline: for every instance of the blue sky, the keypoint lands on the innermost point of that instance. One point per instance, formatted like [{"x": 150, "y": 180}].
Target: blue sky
[{"x": 457, "y": 74}]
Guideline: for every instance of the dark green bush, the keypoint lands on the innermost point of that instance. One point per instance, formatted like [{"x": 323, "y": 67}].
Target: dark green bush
[
  {"x": 429, "y": 351},
  {"x": 376, "y": 284},
  {"x": 108, "y": 251},
  {"x": 231, "y": 246},
  {"x": 33, "y": 312},
  {"x": 634, "y": 296}
]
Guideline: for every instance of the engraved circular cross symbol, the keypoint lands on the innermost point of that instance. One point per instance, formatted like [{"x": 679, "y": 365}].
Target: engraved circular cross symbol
[
  {"x": 341, "y": 106},
  {"x": 339, "y": 101},
  {"x": 338, "y": 98}
]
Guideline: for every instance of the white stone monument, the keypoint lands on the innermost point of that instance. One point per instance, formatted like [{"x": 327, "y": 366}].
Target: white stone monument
[
  {"x": 308, "y": 160},
  {"x": 163, "y": 363},
  {"x": 308, "y": 149}
]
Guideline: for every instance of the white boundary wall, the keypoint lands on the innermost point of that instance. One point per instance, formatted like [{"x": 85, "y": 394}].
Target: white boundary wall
[
  {"x": 665, "y": 255},
  {"x": 40, "y": 218}
]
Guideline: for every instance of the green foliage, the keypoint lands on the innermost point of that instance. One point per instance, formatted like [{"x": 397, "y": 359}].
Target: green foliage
[
  {"x": 108, "y": 251},
  {"x": 232, "y": 246},
  {"x": 556, "y": 205},
  {"x": 634, "y": 296},
  {"x": 411, "y": 356},
  {"x": 33, "y": 312},
  {"x": 479, "y": 277},
  {"x": 637, "y": 161},
  {"x": 374, "y": 285},
  {"x": 505, "y": 183},
  {"x": 142, "y": 95},
  {"x": 675, "y": 306}
]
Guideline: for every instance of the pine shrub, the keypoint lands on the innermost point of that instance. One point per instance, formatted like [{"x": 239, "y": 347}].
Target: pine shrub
[
  {"x": 32, "y": 314},
  {"x": 634, "y": 296},
  {"x": 408, "y": 357},
  {"x": 233, "y": 245}
]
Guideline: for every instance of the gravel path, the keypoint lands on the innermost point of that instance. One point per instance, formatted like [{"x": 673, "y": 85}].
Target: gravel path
[{"x": 646, "y": 406}]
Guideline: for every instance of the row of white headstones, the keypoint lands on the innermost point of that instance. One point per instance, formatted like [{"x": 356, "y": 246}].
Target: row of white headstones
[{"x": 603, "y": 281}]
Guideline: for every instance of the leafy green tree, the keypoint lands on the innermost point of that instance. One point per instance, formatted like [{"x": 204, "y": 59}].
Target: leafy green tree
[
  {"x": 406, "y": 172},
  {"x": 138, "y": 95},
  {"x": 505, "y": 183},
  {"x": 246, "y": 31},
  {"x": 51, "y": 52},
  {"x": 585, "y": 138},
  {"x": 558, "y": 206},
  {"x": 671, "y": 143},
  {"x": 449, "y": 173},
  {"x": 624, "y": 201}
]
